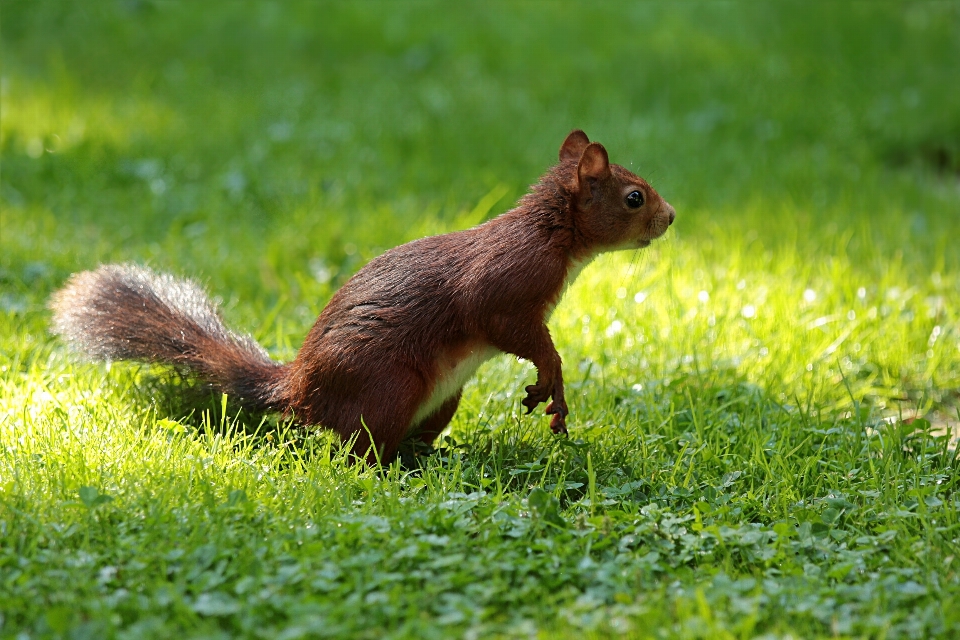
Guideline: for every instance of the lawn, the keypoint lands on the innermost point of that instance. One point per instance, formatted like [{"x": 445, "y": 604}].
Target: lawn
[{"x": 764, "y": 404}]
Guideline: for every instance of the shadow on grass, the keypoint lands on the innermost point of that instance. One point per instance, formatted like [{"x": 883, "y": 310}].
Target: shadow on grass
[
  {"x": 182, "y": 397},
  {"x": 683, "y": 440}
]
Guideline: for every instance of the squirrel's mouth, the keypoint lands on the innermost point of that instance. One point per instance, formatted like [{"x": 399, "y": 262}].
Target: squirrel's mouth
[{"x": 658, "y": 226}]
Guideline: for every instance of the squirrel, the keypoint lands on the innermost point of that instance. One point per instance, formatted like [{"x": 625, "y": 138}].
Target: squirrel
[{"x": 388, "y": 356}]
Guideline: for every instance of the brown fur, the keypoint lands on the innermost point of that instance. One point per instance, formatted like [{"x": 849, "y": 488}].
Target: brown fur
[{"x": 408, "y": 325}]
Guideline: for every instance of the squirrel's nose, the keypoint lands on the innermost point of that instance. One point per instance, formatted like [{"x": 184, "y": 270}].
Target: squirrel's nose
[{"x": 673, "y": 214}]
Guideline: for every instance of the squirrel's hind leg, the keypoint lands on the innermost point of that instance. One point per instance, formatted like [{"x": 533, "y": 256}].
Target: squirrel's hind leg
[{"x": 384, "y": 413}]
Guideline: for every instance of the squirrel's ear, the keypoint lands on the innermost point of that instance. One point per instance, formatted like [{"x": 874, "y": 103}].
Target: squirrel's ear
[
  {"x": 594, "y": 165},
  {"x": 572, "y": 148}
]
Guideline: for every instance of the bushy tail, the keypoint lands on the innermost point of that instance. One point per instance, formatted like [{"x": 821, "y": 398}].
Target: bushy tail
[{"x": 128, "y": 312}]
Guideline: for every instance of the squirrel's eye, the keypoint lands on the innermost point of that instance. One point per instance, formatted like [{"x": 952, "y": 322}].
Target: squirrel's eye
[{"x": 635, "y": 200}]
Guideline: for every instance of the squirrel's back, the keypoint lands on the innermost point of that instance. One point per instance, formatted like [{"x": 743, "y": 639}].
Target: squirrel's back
[{"x": 128, "y": 312}]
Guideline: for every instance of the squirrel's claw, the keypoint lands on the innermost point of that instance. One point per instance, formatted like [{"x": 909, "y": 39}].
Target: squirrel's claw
[
  {"x": 529, "y": 403},
  {"x": 535, "y": 395},
  {"x": 558, "y": 408},
  {"x": 558, "y": 424}
]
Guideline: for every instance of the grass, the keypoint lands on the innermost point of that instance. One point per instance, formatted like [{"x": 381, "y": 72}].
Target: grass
[{"x": 764, "y": 403}]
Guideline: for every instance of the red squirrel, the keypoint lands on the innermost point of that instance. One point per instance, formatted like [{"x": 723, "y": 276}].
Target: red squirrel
[{"x": 390, "y": 353}]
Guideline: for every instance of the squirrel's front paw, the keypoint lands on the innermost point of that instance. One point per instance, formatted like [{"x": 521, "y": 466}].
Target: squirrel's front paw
[{"x": 536, "y": 394}]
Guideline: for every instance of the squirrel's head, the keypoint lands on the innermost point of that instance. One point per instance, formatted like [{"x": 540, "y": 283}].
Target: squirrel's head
[{"x": 612, "y": 208}]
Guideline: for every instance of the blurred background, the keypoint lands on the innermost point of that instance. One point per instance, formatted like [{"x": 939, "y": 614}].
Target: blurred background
[{"x": 271, "y": 148}]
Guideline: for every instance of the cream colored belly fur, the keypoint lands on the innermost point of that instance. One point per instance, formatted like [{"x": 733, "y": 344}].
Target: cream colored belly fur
[{"x": 451, "y": 376}]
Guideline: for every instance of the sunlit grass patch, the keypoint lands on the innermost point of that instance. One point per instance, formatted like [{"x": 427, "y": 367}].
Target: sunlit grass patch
[{"x": 837, "y": 325}]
